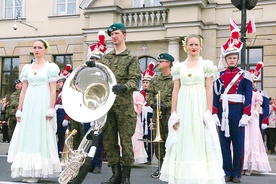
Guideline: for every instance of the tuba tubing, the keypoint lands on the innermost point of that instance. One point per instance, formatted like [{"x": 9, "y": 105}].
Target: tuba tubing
[{"x": 86, "y": 96}]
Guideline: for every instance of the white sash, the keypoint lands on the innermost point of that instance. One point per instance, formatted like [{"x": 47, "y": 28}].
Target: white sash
[{"x": 225, "y": 108}]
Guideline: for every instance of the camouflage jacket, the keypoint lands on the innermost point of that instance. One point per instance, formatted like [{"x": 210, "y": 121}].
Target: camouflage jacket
[
  {"x": 13, "y": 104},
  {"x": 164, "y": 84},
  {"x": 127, "y": 71}
]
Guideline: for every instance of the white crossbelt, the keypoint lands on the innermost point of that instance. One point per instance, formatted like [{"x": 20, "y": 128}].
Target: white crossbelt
[
  {"x": 58, "y": 106},
  {"x": 225, "y": 107},
  {"x": 145, "y": 111}
]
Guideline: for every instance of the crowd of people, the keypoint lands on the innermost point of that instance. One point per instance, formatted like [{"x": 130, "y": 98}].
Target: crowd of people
[{"x": 213, "y": 126}]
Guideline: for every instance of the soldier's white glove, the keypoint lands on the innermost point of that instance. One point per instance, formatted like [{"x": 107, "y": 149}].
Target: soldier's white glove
[
  {"x": 92, "y": 123},
  {"x": 65, "y": 123},
  {"x": 50, "y": 113},
  {"x": 216, "y": 119},
  {"x": 18, "y": 114},
  {"x": 244, "y": 120},
  {"x": 264, "y": 126}
]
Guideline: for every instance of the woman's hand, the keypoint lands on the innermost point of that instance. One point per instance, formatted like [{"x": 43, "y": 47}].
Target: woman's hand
[{"x": 50, "y": 113}]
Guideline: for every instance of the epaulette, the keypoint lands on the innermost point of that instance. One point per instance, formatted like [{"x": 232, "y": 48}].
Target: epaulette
[
  {"x": 264, "y": 93},
  {"x": 217, "y": 76},
  {"x": 247, "y": 75}
]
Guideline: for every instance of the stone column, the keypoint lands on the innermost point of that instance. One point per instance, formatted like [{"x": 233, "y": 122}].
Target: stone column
[{"x": 173, "y": 47}]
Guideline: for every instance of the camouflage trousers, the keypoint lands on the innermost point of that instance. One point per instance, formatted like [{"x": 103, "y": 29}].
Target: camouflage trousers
[
  {"x": 12, "y": 124},
  {"x": 159, "y": 147},
  {"x": 121, "y": 122}
]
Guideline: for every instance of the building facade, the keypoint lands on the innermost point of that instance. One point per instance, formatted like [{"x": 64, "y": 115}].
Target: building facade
[{"x": 153, "y": 27}]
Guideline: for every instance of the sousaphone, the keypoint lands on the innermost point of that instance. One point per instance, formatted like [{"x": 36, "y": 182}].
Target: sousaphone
[{"x": 86, "y": 94}]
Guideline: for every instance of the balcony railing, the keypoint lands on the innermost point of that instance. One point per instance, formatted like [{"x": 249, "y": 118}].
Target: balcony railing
[{"x": 144, "y": 16}]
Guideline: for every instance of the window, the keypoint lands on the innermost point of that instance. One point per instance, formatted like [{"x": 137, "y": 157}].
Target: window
[
  {"x": 10, "y": 72},
  {"x": 253, "y": 56},
  {"x": 63, "y": 60},
  {"x": 144, "y": 62},
  {"x": 13, "y": 8},
  {"x": 145, "y": 3},
  {"x": 65, "y": 7}
]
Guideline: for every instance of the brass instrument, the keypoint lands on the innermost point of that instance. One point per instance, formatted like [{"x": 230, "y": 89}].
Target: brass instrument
[
  {"x": 158, "y": 138},
  {"x": 87, "y": 92},
  {"x": 67, "y": 147},
  {"x": 158, "y": 114},
  {"x": 86, "y": 96}
]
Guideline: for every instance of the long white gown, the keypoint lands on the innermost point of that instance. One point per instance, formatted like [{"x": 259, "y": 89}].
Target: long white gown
[
  {"x": 139, "y": 151},
  {"x": 195, "y": 158},
  {"x": 33, "y": 148}
]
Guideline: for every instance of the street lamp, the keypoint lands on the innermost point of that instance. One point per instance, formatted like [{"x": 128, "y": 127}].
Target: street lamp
[{"x": 19, "y": 20}]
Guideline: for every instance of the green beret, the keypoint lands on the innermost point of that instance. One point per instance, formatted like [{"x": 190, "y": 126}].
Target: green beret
[
  {"x": 166, "y": 56},
  {"x": 114, "y": 27}
]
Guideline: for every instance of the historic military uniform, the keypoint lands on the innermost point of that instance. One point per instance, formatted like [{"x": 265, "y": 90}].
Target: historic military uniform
[
  {"x": 164, "y": 85},
  {"x": 61, "y": 116},
  {"x": 232, "y": 105},
  {"x": 264, "y": 112},
  {"x": 238, "y": 100},
  {"x": 148, "y": 74}
]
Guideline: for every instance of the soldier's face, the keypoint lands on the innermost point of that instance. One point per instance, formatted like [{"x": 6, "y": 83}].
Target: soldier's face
[
  {"x": 60, "y": 84},
  {"x": 146, "y": 84},
  {"x": 18, "y": 86},
  {"x": 232, "y": 60},
  {"x": 118, "y": 37}
]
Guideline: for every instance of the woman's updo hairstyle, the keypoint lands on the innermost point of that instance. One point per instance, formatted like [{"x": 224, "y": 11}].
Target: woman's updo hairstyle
[
  {"x": 186, "y": 39},
  {"x": 45, "y": 43}
]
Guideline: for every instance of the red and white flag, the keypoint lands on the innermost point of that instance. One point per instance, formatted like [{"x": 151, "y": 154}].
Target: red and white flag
[
  {"x": 233, "y": 24},
  {"x": 251, "y": 27}
]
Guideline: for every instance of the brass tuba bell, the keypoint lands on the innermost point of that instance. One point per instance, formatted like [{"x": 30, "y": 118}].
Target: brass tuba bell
[{"x": 87, "y": 93}]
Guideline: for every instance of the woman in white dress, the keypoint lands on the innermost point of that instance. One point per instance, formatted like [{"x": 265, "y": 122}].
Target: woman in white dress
[
  {"x": 33, "y": 148},
  {"x": 193, "y": 153}
]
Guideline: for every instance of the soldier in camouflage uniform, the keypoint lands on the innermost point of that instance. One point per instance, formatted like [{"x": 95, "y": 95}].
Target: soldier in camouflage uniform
[
  {"x": 121, "y": 118},
  {"x": 164, "y": 84},
  {"x": 14, "y": 100}
]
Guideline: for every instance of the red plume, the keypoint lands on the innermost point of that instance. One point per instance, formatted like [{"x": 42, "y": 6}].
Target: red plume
[
  {"x": 101, "y": 37},
  {"x": 259, "y": 65}
]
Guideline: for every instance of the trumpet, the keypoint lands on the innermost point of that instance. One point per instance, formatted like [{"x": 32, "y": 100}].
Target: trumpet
[{"x": 158, "y": 114}]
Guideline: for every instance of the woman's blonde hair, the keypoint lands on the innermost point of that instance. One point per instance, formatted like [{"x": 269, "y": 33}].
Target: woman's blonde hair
[{"x": 186, "y": 39}]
